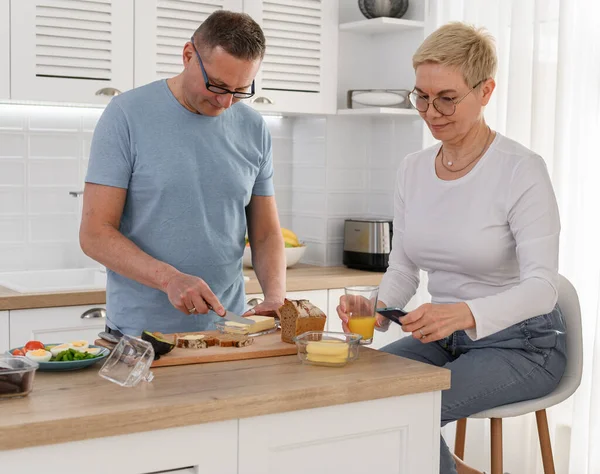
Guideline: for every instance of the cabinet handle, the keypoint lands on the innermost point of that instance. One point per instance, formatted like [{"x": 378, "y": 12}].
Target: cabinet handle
[
  {"x": 262, "y": 100},
  {"x": 109, "y": 91},
  {"x": 94, "y": 313},
  {"x": 254, "y": 302}
]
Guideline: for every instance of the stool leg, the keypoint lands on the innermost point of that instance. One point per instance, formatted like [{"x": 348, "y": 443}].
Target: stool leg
[
  {"x": 460, "y": 438},
  {"x": 496, "y": 429},
  {"x": 545, "y": 445}
]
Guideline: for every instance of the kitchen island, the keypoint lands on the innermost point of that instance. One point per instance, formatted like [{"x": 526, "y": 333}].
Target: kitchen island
[{"x": 380, "y": 414}]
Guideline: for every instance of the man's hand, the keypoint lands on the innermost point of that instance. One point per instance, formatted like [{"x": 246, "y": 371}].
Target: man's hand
[
  {"x": 191, "y": 295},
  {"x": 432, "y": 322},
  {"x": 266, "y": 308}
]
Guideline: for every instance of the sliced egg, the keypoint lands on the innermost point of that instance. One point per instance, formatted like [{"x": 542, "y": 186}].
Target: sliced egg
[
  {"x": 80, "y": 346},
  {"x": 60, "y": 348},
  {"x": 39, "y": 355},
  {"x": 93, "y": 350}
]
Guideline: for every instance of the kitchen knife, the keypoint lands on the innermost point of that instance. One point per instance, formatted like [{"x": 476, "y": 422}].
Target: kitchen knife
[{"x": 229, "y": 316}]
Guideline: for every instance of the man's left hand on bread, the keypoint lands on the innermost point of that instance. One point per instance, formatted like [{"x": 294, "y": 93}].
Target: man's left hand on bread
[
  {"x": 432, "y": 322},
  {"x": 266, "y": 308}
]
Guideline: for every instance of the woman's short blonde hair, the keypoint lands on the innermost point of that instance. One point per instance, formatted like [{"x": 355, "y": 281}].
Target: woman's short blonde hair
[{"x": 470, "y": 50}]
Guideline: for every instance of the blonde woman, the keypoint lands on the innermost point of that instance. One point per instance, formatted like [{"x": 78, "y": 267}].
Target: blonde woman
[{"x": 476, "y": 212}]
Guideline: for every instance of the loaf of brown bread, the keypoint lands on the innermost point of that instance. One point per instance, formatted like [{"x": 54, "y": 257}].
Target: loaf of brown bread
[{"x": 299, "y": 316}]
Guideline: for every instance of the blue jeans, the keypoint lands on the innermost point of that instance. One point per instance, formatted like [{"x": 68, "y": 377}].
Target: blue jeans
[{"x": 522, "y": 362}]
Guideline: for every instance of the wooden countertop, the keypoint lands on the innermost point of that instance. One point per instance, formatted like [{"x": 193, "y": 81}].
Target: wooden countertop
[
  {"x": 299, "y": 278},
  {"x": 70, "y": 406}
]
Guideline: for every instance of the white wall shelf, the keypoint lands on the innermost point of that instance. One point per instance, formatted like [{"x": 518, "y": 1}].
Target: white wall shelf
[
  {"x": 378, "y": 111},
  {"x": 382, "y": 25}
]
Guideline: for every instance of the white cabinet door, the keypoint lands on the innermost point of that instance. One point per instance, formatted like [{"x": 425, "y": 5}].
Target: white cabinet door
[
  {"x": 4, "y": 332},
  {"x": 162, "y": 27},
  {"x": 209, "y": 448},
  {"x": 334, "y": 323},
  {"x": 299, "y": 71},
  {"x": 316, "y": 297},
  {"x": 398, "y": 435},
  {"x": 4, "y": 49},
  {"x": 54, "y": 325},
  {"x": 67, "y": 50}
]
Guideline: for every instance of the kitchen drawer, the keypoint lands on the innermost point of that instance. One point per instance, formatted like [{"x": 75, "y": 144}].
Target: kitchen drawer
[{"x": 49, "y": 325}]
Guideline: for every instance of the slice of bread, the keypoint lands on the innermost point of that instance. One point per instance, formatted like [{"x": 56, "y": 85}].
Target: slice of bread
[
  {"x": 234, "y": 340},
  {"x": 192, "y": 341}
]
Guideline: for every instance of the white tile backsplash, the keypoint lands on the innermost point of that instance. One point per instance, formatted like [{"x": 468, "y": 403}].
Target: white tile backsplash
[
  {"x": 282, "y": 174},
  {"x": 12, "y": 121},
  {"x": 54, "y": 172},
  {"x": 341, "y": 179},
  {"x": 57, "y": 145},
  {"x": 14, "y": 256},
  {"x": 310, "y": 127},
  {"x": 315, "y": 227},
  {"x": 309, "y": 178},
  {"x": 309, "y": 202},
  {"x": 44, "y": 154},
  {"x": 87, "y": 144},
  {"x": 380, "y": 204},
  {"x": 12, "y": 200},
  {"x": 325, "y": 170},
  {"x": 53, "y": 228},
  {"x": 12, "y": 144},
  {"x": 310, "y": 152},
  {"x": 12, "y": 229},
  {"x": 46, "y": 256},
  {"x": 45, "y": 200},
  {"x": 12, "y": 172},
  {"x": 48, "y": 120}
]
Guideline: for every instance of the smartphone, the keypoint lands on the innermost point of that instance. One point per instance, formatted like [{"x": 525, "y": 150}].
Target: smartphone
[{"x": 393, "y": 314}]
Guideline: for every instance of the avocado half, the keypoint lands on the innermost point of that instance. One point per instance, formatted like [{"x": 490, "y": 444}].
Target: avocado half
[{"x": 159, "y": 342}]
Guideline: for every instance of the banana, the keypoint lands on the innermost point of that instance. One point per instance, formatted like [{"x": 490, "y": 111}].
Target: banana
[{"x": 289, "y": 237}]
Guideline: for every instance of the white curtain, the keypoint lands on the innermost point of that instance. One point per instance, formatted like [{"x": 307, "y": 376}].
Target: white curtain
[{"x": 548, "y": 98}]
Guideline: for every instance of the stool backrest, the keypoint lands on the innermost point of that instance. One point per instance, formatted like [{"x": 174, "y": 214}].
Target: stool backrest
[{"x": 568, "y": 301}]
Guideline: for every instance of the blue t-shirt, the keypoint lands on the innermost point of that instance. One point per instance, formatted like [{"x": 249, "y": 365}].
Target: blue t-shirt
[{"x": 189, "y": 178}]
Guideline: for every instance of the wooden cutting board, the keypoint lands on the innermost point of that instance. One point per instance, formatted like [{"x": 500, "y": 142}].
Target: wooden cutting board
[{"x": 269, "y": 345}]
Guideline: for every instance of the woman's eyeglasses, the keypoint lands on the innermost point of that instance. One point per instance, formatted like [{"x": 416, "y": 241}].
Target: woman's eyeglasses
[{"x": 444, "y": 105}]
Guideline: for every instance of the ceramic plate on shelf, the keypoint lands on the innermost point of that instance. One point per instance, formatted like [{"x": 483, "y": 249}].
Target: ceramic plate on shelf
[{"x": 70, "y": 364}]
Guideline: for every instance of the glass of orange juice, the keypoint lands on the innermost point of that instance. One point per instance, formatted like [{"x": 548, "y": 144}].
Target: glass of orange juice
[{"x": 361, "y": 303}]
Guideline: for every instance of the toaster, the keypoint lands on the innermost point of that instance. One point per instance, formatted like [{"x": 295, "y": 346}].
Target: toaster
[{"x": 367, "y": 243}]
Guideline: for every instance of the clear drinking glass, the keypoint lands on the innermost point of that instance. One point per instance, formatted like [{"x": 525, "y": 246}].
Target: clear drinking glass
[
  {"x": 361, "y": 305},
  {"x": 129, "y": 362}
]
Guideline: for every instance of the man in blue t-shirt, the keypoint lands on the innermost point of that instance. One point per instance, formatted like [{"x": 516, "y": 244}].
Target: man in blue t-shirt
[{"x": 179, "y": 170}]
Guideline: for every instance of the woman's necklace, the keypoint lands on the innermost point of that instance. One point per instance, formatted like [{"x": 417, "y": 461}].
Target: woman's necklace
[{"x": 448, "y": 164}]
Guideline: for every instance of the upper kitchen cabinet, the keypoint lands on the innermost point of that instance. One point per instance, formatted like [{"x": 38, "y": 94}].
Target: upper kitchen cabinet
[
  {"x": 4, "y": 50},
  {"x": 299, "y": 71},
  {"x": 69, "y": 50},
  {"x": 162, "y": 27}
]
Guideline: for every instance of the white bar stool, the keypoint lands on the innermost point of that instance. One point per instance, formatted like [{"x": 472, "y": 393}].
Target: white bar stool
[{"x": 569, "y": 305}]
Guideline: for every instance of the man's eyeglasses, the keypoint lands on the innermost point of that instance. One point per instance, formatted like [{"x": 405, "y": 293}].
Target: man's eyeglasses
[
  {"x": 218, "y": 89},
  {"x": 444, "y": 105}
]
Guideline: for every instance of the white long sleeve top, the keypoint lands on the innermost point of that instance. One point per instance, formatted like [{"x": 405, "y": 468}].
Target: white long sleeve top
[{"x": 489, "y": 239}]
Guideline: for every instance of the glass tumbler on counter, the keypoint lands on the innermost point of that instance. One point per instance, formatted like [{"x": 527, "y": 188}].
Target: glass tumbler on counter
[
  {"x": 129, "y": 362},
  {"x": 361, "y": 305}
]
